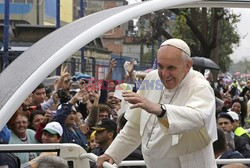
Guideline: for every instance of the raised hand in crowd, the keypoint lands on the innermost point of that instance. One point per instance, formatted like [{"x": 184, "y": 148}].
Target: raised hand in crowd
[
  {"x": 92, "y": 107},
  {"x": 85, "y": 98},
  {"x": 55, "y": 84},
  {"x": 112, "y": 64},
  {"x": 81, "y": 124},
  {"x": 94, "y": 96},
  {"x": 56, "y": 100},
  {"x": 78, "y": 96},
  {"x": 130, "y": 68},
  {"x": 83, "y": 88},
  {"x": 84, "y": 128},
  {"x": 47, "y": 116},
  {"x": 111, "y": 68},
  {"x": 83, "y": 83},
  {"x": 131, "y": 78},
  {"x": 64, "y": 81},
  {"x": 97, "y": 94}
]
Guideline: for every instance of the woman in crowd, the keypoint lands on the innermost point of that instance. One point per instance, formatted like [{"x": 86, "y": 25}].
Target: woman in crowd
[{"x": 20, "y": 134}]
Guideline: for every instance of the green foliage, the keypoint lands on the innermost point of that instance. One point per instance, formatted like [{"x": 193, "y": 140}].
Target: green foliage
[
  {"x": 147, "y": 57},
  {"x": 230, "y": 39},
  {"x": 182, "y": 31},
  {"x": 227, "y": 36}
]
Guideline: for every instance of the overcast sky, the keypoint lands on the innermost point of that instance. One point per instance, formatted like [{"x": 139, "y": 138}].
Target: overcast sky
[{"x": 243, "y": 51}]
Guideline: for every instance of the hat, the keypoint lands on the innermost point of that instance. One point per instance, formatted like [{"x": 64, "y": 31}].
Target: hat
[
  {"x": 106, "y": 124},
  {"x": 225, "y": 115},
  {"x": 54, "y": 128},
  {"x": 92, "y": 135},
  {"x": 178, "y": 43},
  {"x": 5, "y": 135},
  {"x": 82, "y": 76},
  {"x": 234, "y": 115},
  {"x": 72, "y": 108}
]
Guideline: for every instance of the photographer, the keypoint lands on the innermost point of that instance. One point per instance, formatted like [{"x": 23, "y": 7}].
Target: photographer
[
  {"x": 66, "y": 116},
  {"x": 63, "y": 96},
  {"x": 62, "y": 86}
]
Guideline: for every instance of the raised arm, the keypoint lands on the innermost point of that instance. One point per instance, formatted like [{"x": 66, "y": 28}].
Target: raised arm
[{"x": 111, "y": 68}]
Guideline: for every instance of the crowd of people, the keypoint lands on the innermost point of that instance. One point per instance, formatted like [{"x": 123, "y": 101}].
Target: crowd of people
[
  {"x": 87, "y": 116},
  {"x": 179, "y": 116}
]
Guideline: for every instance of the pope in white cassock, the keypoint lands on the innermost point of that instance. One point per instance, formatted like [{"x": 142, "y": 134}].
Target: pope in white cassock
[{"x": 175, "y": 123}]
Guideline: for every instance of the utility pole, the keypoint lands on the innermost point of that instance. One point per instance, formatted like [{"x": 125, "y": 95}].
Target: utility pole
[
  {"x": 6, "y": 34},
  {"x": 58, "y": 25},
  {"x": 37, "y": 12},
  {"x": 58, "y": 14},
  {"x": 81, "y": 14}
]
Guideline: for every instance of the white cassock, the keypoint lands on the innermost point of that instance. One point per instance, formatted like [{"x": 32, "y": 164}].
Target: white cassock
[{"x": 183, "y": 137}]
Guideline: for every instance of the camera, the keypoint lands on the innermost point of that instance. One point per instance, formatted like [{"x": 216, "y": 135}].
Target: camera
[
  {"x": 64, "y": 96},
  {"x": 73, "y": 79}
]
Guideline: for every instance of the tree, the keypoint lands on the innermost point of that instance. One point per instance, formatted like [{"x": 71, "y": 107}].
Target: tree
[{"x": 211, "y": 33}]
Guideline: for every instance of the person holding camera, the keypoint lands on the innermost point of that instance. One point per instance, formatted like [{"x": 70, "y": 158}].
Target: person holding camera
[
  {"x": 62, "y": 86},
  {"x": 66, "y": 116}
]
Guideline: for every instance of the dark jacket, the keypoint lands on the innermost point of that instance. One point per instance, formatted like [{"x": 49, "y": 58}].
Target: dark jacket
[
  {"x": 244, "y": 91},
  {"x": 69, "y": 136},
  {"x": 229, "y": 154},
  {"x": 9, "y": 159},
  {"x": 98, "y": 152},
  {"x": 242, "y": 146}
]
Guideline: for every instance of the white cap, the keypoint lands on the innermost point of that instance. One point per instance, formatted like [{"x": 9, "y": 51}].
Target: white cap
[
  {"x": 178, "y": 43},
  {"x": 54, "y": 128},
  {"x": 234, "y": 115}
]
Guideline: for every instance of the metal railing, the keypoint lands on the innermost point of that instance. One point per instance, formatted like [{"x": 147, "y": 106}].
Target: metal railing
[{"x": 75, "y": 153}]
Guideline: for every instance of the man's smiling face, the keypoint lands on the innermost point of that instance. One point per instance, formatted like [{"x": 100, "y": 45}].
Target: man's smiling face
[{"x": 172, "y": 66}]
